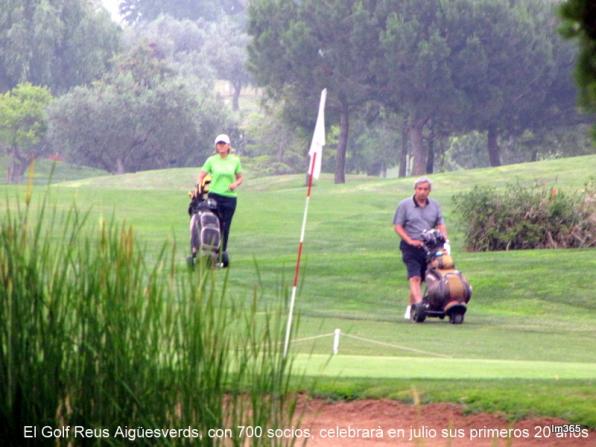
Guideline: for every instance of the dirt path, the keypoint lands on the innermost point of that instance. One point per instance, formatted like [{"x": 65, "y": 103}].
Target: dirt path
[{"x": 390, "y": 423}]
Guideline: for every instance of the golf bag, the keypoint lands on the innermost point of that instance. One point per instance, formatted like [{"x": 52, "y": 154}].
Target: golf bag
[
  {"x": 205, "y": 234},
  {"x": 447, "y": 290},
  {"x": 205, "y": 229}
]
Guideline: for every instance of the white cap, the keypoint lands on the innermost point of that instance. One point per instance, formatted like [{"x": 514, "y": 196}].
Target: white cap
[{"x": 222, "y": 138}]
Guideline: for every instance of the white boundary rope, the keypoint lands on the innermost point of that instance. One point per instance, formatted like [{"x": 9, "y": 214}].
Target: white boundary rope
[
  {"x": 298, "y": 340},
  {"x": 391, "y": 345},
  {"x": 335, "y": 334}
]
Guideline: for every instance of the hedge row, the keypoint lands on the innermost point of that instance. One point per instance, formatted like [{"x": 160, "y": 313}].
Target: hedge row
[{"x": 522, "y": 217}]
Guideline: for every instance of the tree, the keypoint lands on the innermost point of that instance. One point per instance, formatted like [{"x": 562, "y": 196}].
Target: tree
[
  {"x": 377, "y": 142},
  {"x": 135, "y": 11},
  {"x": 141, "y": 116},
  {"x": 299, "y": 48},
  {"x": 59, "y": 43},
  {"x": 179, "y": 44},
  {"x": 274, "y": 146},
  {"x": 515, "y": 82},
  {"x": 555, "y": 126},
  {"x": 226, "y": 50},
  {"x": 413, "y": 73},
  {"x": 448, "y": 67},
  {"x": 23, "y": 126},
  {"x": 580, "y": 23},
  {"x": 200, "y": 48},
  {"x": 464, "y": 65}
]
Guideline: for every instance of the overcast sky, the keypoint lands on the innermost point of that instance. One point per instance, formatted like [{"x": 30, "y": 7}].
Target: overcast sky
[{"x": 112, "y": 7}]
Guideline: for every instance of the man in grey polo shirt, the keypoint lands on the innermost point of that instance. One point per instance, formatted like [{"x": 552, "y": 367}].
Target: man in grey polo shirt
[{"x": 414, "y": 215}]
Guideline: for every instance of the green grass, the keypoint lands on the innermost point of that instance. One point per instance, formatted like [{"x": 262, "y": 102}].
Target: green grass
[
  {"x": 531, "y": 321},
  {"x": 431, "y": 367},
  {"x": 60, "y": 171}
]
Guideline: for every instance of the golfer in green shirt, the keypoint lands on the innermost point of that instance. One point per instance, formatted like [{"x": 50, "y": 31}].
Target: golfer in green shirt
[{"x": 226, "y": 176}]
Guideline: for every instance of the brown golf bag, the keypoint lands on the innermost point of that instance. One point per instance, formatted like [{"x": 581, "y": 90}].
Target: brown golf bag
[{"x": 447, "y": 290}]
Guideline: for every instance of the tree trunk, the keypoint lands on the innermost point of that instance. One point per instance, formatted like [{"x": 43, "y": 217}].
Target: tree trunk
[
  {"x": 10, "y": 173},
  {"x": 279, "y": 153},
  {"x": 494, "y": 155},
  {"x": 237, "y": 87},
  {"x": 403, "y": 157},
  {"x": 440, "y": 152},
  {"x": 17, "y": 166},
  {"x": 119, "y": 166},
  {"x": 282, "y": 143},
  {"x": 430, "y": 158},
  {"x": 418, "y": 151},
  {"x": 340, "y": 159}
]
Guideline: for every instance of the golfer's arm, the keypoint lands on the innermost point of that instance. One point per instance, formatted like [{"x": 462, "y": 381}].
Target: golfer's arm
[
  {"x": 239, "y": 179},
  {"x": 443, "y": 229},
  {"x": 402, "y": 233},
  {"x": 202, "y": 175}
]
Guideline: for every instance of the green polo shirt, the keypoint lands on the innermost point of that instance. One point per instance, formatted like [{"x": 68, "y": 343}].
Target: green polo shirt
[{"x": 223, "y": 173}]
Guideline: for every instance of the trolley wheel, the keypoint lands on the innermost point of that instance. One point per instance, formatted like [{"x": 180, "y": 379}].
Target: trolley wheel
[
  {"x": 418, "y": 313},
  {"x": 194, "y": 235},
  {"x": 456, "y": 318}
]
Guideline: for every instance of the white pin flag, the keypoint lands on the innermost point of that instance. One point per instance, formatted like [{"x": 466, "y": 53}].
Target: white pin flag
[
  {"x": 318, "y": 138},
  {"x": 315, "y": 152}
]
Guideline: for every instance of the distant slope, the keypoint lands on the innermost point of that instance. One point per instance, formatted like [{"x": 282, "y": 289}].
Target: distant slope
[
  {"x": 572, "y": 172},
  {"x": 164, "y": 179},
  {"x": 60, "y": 171}
]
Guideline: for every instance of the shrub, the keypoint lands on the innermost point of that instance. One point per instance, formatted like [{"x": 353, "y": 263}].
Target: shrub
[{"x": 521, "y": 217}]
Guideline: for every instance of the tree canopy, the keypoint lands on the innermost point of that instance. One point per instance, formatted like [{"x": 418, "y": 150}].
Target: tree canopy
[
  {"x": 225, "y": 50},
  {"x": 142, "y": 115},
  {"x": 447, "y": 67},
  {"x": 58, "y": 43},
  {"x": 580, "y": 23},
  {"x": 299, "y": 48},
  {"x": 23, "y": 125},
  {"x": 135, "y": 11},
  {"x": 200, "y": 49}
]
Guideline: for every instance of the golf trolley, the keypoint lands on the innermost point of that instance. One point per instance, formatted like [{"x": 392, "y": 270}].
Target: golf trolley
[
  {"x": 447, "y": 290},
  {"x": 205, "y": 229}
]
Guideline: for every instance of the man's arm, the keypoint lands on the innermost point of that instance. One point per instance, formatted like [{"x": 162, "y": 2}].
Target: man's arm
[
  {"x": 443, "y": 229},
  {"x": 407, "y": 239}
]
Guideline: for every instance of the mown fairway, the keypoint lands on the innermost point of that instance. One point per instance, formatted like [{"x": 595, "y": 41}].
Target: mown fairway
[{"x": 532, "y": 316}]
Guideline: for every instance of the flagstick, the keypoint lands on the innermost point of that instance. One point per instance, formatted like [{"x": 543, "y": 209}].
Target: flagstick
[{"x": 297, "y": 269}]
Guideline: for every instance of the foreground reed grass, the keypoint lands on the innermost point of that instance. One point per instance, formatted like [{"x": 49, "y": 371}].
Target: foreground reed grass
[{"x": 93, "y": 336}]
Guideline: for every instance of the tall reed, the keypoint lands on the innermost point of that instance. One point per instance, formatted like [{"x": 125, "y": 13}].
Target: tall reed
[{"x": 93, "y": 335}]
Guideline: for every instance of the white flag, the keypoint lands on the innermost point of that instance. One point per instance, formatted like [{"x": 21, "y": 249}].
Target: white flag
[{"x": 318, "y": 137}]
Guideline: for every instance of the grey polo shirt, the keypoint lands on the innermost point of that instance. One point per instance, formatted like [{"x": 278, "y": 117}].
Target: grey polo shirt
[{"x": 415, "y": 219}]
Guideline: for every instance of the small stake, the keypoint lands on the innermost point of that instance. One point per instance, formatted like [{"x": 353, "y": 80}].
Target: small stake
[{"x": 336, "y": 335}]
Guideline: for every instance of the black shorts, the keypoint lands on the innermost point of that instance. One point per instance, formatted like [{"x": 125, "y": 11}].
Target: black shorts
[{"x": 415, "y": 260}]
